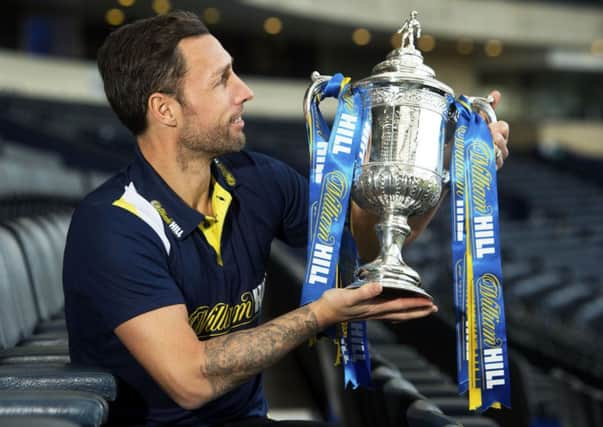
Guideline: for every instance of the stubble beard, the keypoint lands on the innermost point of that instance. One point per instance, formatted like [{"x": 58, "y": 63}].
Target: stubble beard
[{"x": 215, "y": 142}]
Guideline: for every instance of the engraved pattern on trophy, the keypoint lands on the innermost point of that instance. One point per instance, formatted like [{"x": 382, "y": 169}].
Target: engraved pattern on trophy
[
  {"x": 396, "y": 187},
  {"x": 408, "y": 96},
  {"x": 383, "y": 96}
]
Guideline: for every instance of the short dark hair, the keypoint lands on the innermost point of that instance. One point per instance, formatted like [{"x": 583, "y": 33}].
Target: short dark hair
[{"x": 143, "y": 57}]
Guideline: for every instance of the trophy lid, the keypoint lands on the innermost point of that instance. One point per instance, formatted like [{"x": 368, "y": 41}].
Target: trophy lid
[{"x": 406, "y": 62}]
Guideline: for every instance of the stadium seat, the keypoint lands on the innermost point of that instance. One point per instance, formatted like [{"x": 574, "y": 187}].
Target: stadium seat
[
  {"x": 51, "y": 377},
  {"x": 35, "y": 420},
  {"x": 41, "y": 261},
  {"x": 21, "y": 307},
  {"x": 423, "y": 413},
  {"x": 83, "y": 409}
]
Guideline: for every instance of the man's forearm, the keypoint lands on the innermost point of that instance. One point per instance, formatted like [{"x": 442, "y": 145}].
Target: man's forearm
[{"x": 232, "y": 359}]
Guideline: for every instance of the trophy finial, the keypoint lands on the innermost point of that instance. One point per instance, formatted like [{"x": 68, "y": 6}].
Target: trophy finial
[{"x": 410, "y": 29}]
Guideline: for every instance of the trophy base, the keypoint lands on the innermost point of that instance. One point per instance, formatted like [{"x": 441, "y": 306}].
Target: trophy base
[{"x": 406, "y": 283}]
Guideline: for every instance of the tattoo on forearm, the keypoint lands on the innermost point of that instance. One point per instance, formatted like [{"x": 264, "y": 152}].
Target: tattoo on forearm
[{"x": 232, "y": 359}]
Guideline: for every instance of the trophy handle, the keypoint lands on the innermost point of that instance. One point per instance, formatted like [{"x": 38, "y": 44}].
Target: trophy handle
[
  {"x": 318, "y": 82},
  {"x": 484, "y": 105}
]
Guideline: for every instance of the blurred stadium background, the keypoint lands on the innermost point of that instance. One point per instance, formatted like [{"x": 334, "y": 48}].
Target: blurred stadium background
[{"x": 59, "y": 140}]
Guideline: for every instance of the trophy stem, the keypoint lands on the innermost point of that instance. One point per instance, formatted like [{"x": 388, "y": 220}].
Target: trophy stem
[
  {"x": 392, "y": 233},
  {"x": 389, "y": 268}
]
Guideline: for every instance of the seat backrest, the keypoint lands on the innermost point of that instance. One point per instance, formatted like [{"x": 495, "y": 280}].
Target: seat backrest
[
  {"x": 85, "y": 409},
  {"x": 2, "y": 340},
  {"x": 9, "y": 323},
  {"x": 57, "y": 237},
  {"x": 42, "y": 263},
  {"x": 62, "y": 219},
  {"x": 14, "y": 274},
  {"x": 57, "y": 226},
  {"x": 35, "y": 420}
]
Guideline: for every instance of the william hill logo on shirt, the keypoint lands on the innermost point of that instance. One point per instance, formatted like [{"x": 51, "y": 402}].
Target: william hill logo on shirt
[
  {"x": 222, "y": 317},
  {"x": 172, "y": 225}
]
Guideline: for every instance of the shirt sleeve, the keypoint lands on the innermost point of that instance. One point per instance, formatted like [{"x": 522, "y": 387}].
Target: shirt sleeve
[{"x": 117, "y": 262}]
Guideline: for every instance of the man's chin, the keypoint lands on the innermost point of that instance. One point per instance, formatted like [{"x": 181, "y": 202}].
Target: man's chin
[
  {"x": 233, "y": 146},
  {"x": 238, "y": 143}
]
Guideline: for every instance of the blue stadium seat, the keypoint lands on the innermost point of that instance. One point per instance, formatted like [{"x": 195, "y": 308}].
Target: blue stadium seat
[
  {"x": 81, "y": 408},
  {"x": 35, "y": 420}
]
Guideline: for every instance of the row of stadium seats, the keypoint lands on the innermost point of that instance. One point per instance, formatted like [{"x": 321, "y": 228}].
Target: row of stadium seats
[
  {"x": 25, "y": 170},
  {"x": 86, "y": 137},
  {"x": 38, "y": 385}
]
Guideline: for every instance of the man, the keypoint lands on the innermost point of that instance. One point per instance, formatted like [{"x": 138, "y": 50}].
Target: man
[{"x": 165, "y": 263}]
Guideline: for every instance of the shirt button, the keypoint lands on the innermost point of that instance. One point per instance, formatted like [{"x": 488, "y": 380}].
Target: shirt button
[{"x": 206, "y": 224}]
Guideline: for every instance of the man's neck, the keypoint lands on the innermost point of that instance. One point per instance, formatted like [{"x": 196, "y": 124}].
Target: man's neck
[{"x": 186, "y": 172}]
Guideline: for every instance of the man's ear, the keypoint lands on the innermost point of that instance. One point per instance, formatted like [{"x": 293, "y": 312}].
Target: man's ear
[{"x": 163, "y": 109}]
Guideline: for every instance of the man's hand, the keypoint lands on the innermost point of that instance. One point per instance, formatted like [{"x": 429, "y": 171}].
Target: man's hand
[
  {"x": 338, "y": 305},
  {"x": 500, "y": 133}
]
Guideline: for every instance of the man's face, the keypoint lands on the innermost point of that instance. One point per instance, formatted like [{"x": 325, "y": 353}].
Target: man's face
[{"x": 212, "y": 98}]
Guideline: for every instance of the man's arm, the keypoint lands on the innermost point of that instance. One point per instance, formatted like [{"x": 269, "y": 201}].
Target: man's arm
[{"x": 195, "y": 372}]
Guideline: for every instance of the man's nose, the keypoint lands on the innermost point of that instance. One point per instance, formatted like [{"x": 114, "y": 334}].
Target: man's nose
[{"x": 244, "y": 92}]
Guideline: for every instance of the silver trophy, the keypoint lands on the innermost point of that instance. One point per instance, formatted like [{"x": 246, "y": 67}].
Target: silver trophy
[{"x": 412, "y": 120}]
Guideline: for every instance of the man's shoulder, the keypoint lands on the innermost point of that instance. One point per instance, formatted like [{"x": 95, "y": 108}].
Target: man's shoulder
[
  {"x": 98, "y": 204},
  {"x": 114, "y": 210},
  {"x": 103, "y": 236}
]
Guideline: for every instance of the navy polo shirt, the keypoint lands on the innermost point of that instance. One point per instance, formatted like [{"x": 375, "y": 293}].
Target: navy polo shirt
[{"x": 135, "y": 246}]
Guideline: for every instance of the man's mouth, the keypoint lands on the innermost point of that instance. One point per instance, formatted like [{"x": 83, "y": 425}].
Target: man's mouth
[{"x": 237, "y": 121}]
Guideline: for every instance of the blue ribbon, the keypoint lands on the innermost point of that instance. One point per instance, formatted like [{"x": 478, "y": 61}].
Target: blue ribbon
[
  {"x": 483, "y": 367},
  {"x": 353, "y": 334},
  {"x": 333, "y": 154},
  {"x": 457, "y": 199}
]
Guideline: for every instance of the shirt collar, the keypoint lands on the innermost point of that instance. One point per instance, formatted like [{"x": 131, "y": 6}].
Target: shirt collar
[
  {"x": 223, "y": 175},
  {"x": 180, "y": 218}
]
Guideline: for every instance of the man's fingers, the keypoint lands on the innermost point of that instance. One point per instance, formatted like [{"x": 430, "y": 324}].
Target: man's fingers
[
  {"x": 502, "y": 128},
  {"x": 370, "y": 293},
  {"x": 496, "y": 96},
  {"x": 404, "y": 304},
  {"x": 386, "y": 314},
  {"x": 367, "y": 298},
  {"x": 366, "y": 292},
  {"x": 500, "y": 142},
  {"x": 415, "y": 313},
  {"x": 500, "y": 138}
]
